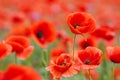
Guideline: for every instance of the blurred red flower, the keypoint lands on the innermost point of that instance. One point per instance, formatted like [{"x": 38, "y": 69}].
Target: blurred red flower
[
  {"x": 56, "y": 52},
  {"x": 80, "y": 22},
  {"x": 84, "y": 43},
  {"x": 15, "y": 72},
  {"x": 20, "y": 45},
  {"x": 93, "y": 73},
  {"x": 17, "y": 18},
  {"x": 20, "y": 30},
  {"x": 62, "y": 34},
  {"x": 62, "y": 67},
  {"x": 81, "y": 7},
  {"x": 113, "y": 54},
  {"x": 104, "y": 32},
  {"x": 43, "y": 32},
  {"x": 117, "y": 73},
  {"x": 89, "y": 58},
  {"x": 65, "y": 41},
  {"x": 5, "y": 49}
]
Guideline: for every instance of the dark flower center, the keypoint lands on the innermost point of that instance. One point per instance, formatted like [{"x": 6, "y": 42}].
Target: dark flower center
[
  {"x": 86, "y": 45},
  {"x": 87, "y": 61},
  {"x": 76, "y": 25},
  {"x": 63, "y": 64},
  {"x": 39, "y": 34}
]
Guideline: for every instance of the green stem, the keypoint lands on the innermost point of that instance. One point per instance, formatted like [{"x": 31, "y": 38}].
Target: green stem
[
  {"x": 113, "y": 71},
  {"x": 74, "y": 45},
  {"x": 57, "y": 79},
  {"x": 89, "y": 74},
  {"x": 15, "y": 59},
  {"x": 44, "y": 57}
]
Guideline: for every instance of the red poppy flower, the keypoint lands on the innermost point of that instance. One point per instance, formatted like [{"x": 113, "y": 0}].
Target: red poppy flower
[
  {"x": 61, "y": 34},
  {"x": 43, "y": 33},
  {"x": 64, "y": 40},
  {"x": 89, "y": 58},
  {"x": 55, "y": 53},
  {"x": 1, "y": 75},
  {"x": 18, "y": 18},
  {"x": 117, "y": 73},
  {"x": 62, "y": 67},
  {"x": 83, "y": 43},
  {"x": 20, "y": 30},
  {"x": 104, "y": 32},
  {"x": 81, "y": 7},
  {"x": 80, "y": 22},
  {"x": 113, "y": 54},
  {"x": 15, "y": 72},
  {"x": 5, "y": 50},
  {"x": 21, "y": 46}
]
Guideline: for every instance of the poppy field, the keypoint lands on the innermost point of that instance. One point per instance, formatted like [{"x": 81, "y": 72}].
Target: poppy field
[{"x": 59, "y": 39}]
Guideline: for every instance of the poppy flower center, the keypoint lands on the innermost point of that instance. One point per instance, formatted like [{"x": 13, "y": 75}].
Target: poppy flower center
[
  {"x": 63, "y": 64},
  {"x": 86, "y": 45},
  {"x": 76, "y": 25},
  {"x": 87, "y": 61},
  {"x": 39, "y": 34}
]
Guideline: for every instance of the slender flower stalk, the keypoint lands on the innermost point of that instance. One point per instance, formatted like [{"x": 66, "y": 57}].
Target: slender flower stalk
[
  {"x": 89, "y": 75},
  {"x": 74, "y": 45},
  {"x": 57, "y": 79},
  {"x": 113, "y": 68},
  {"x": 16, "y": 59}
]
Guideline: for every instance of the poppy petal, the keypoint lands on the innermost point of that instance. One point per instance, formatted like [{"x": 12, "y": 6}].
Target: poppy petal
[
  {"x": 5, "y": 49},
  {"x": 26, "y": 53}
]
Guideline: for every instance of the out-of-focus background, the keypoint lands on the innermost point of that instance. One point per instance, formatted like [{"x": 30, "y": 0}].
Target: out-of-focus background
[{"x": 17, "y": 15}]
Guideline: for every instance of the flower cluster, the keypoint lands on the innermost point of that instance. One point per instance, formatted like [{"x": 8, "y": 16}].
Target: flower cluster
[{"x": 59, "y": 40}]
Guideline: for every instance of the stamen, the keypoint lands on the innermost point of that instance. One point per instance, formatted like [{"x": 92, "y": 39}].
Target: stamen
[
  {"x": 63, "y": 64},
  {"x": 76, "y": 25},
  {"x": 86, "y": 45},
  {"x": 87, "y": 62}
]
